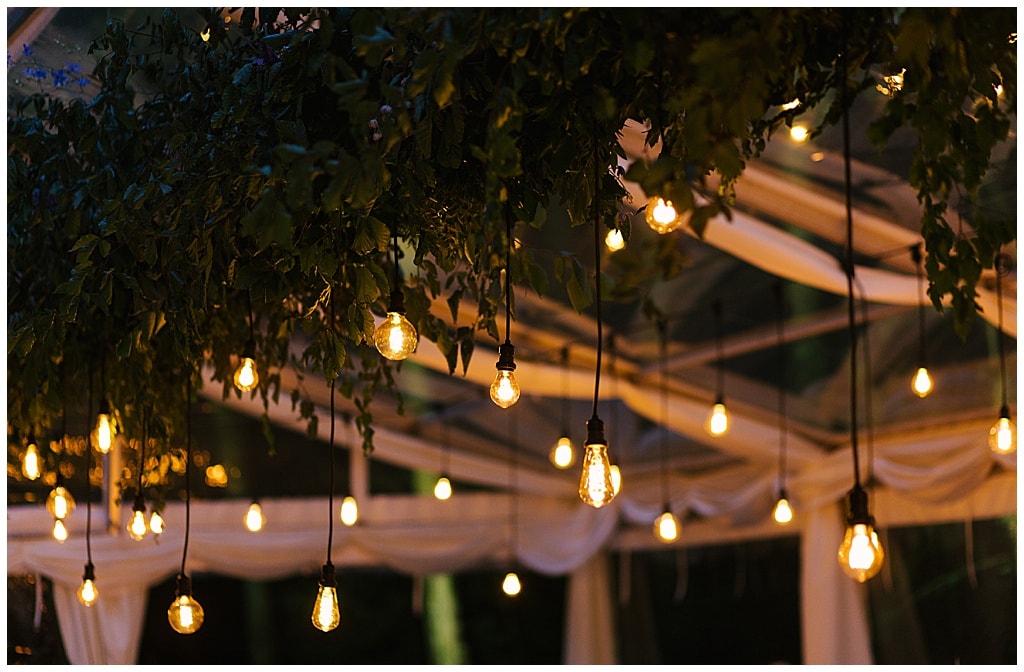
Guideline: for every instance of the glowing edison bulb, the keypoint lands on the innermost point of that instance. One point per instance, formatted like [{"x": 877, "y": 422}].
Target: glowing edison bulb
[
  {"x": 1002, "y": 438},
  {"x": 614, "y": 241},
  {"x": 137, "y": 527},
  {"x": 783, "y": 512},
  {"x": 922, "y": 383},
  {"x": 326, "y": 616},
  {"x": 661, "y": 215},
  {"x": 60, "y": 531},
  {"x": 254, "y": 518},
  {"x": 30, "y": 465},
  {"x": 505, "y": 389},
  {"x": 185, "y": 613},
  {"x": 395, "y": 338},
  {"x": 156, "y": 523},
  {"x": 718, "y": 420},
  {"x": 246, "y": 375},
  {"x": 87, "y": 592},
  {"x": 562, "y": 454},
  {"x": 799, "y": 133},
  {"x": 666, "y": 527},
  {"x": 60, "y": 503},
  {"x": 104, "y": 433},
  {"x": 860, "y": 554},
  {"x": 596, "y": 487},
  {"x": 443, "y": 489},
  {"x": 349, "y": 511},
  {"x": 511, "y": 586}
]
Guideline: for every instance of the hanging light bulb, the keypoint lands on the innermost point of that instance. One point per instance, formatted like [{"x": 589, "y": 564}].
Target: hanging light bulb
[
  {"x": 443, "y": 489},
  {"x": 185, "y": 613},
  {"x": 717, "y": 423},
  {"x": 396, "y": 337},
  {"x": 254, "y": 518},
  {"x": 30, "y": 464},
  {"x": 666, "y": 527},
  {"x": 661, "y": 215},
  {"x": 921, "y": 383},
  {"x": 60, "y": 531},
  {"x": 614, "y": 240},
  {"x": 137, "y": 527},
  {"x": 105, "y": 430},
  {"x": 860, "y": 554},
  {"x": 87, "y": 592},
  {"x": 596, "y": 488},
  {"x": 783, "y": 512},
  {"x": 60, "y": 503},
  {"x": 1002, "y": 438},
  {"x": 156, "y": 523},
  {"x": 349, "y": 511},
  {"x": 505, "y": 389},
  {"x": 562, "y": 454},
  {"x": 326, "y": 616},
  {"x": 247, "y": 376},
  {"x": 511, "y": 586}
]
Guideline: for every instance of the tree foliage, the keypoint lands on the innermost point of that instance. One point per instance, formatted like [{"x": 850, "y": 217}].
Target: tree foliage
[{"x": 255, "y": 166}]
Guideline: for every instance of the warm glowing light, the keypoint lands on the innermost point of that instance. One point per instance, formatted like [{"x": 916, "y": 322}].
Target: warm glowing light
[
  {"x": 326, "y": 616},
  {"x": 349, "y": 511},
  {"x": 596, "y": 488},
  {"x": 799, "y": 133},
  {"x": 396, "y": 338},
  {"x": 563, "y": 455},
  {"x": 1002, "y": 438},
  {"x": 666, "y": 527},
  {"x": 511, "y": 585},
  {"x": 60, "y": 531},
  {"x": 443, "y": 489},
  {"x": 246, "y": 375},
  {"x": 60, "y": 503},
  {"x": 922, "y": 383},
  {"x": 818, "y": 157},
  {"x": 185, "y": 614},
  {"x": 30, "y": 465},
  {"x": 616, "y": 476},
  {"x": 254, "y": 518},
  {"x": 505, "y": 389},
  {"x": 156, "y": 523},
  {"x": 205, "y": 35},
  {"x": 661, "y": 215},
  {"x": 999, "y": 90},
  {"x": 892, "y": 84},
  {"x": 87, "y": 592},
  {"x": 791, "y": 105},
  {"x": 783, "y": 512},
  {"x": 614, "y": 241},
  {"x": 718, "y": 421},
  {"x": 104, "y": 434},
  {"x": 137, "y": 527},
  {"x": 860, "y": 554}
]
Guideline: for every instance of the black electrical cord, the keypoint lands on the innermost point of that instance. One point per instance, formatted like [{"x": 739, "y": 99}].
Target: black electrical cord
[
  {"x": 783, "y": 384},
  {"x": 597, "y": 273},
  {"x": 508, "y": 269},
  {"x": 188, "y": 464},
  {"x": 1005, "y": 409},
  {"x": 849, "y": 264},
  {"x": 663, "y": 348},
  {"x": 915, "y": 253}
]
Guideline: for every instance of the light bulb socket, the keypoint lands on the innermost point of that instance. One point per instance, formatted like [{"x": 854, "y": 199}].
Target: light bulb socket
[
  {"x": 719, "y": 399},
  {"x": 104, "y": 407},
  {"x": 183, "y": 586},
  {"x": 90, "y": 573},
  {"x": 783, "y": 494},
  {"x": 250, "y": 350},
  {"x": 595, "y": 432},
  {"x": 857, "y": 513},
  {"x": 1004, "y": 411},
  {"x": 140, "y": 503},
  {"x": 327, "y": 579},
  {"x": 397, "y": 302},
  {"x": 506, "y": 357}
]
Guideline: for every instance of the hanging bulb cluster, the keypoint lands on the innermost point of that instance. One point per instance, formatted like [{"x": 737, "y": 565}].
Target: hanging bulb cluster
[
  {"x": 87, "y": 592},
  {"x": 396, "y": 337},
  {"x": 137, "y": 527},
  {"x": 103, "y": 435},
  {"x": 185, "y": 614},
  {"x": 782, "y": 512},
  {"x": 860, "y": 554},
  {"x": 326, "y": 615}
]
